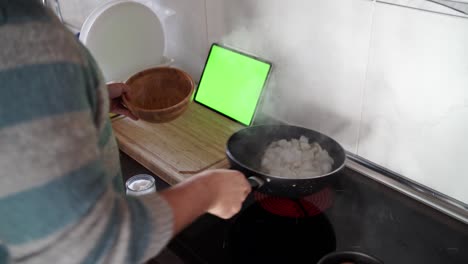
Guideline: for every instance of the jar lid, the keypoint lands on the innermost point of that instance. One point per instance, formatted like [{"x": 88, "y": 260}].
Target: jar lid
[{"x": 140, "y": 183}]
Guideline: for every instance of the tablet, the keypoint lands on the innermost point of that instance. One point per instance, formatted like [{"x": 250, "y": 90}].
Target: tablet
[{"x": 232, "y": 83}]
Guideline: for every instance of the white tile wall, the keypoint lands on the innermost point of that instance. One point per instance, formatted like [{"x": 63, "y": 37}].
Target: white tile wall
[
  {"x": 415, "y": 118},
  {"x": 319, "y": 50},
  {"x": 76, "y": 11},
  {"x": 186, "y": 34},
  {"x": 415, "y": 94}
]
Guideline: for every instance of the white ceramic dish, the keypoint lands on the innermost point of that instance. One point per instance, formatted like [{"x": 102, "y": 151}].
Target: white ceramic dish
[{"x": 124, "y": 37}]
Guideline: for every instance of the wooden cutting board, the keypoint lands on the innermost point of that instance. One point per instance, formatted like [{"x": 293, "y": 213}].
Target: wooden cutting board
[{"x": 174, "y": 151}]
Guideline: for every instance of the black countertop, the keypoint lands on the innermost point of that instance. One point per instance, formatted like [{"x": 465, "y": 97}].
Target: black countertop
[{"x": 365, "y": 216}]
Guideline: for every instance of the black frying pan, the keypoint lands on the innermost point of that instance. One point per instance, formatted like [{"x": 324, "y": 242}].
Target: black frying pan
[{"x": 246, "y": 148}]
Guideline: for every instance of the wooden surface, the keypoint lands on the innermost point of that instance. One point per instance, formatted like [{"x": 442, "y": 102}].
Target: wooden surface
[{"x": 174, "y": 151}]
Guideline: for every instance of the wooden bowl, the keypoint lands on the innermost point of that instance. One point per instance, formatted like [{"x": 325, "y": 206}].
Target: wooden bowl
[{"x": 159, "y": 94}]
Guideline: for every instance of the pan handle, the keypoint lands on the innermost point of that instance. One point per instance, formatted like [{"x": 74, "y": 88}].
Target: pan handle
[{"x": 255, "y": 182}]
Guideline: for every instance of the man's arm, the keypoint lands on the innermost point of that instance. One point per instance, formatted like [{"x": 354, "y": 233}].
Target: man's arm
[{"x": 58, "y": 205}]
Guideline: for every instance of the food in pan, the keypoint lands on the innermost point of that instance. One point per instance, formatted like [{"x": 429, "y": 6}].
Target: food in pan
[{"x": 296, "y": 158}]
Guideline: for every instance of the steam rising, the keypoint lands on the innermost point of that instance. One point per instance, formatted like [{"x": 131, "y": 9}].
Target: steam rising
[{"x": 311, "y": 78}]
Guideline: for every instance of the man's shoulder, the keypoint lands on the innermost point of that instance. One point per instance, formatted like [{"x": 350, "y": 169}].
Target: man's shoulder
[
  {"x": 31, "y": 34},
  {"x": 43, "y": 67}
]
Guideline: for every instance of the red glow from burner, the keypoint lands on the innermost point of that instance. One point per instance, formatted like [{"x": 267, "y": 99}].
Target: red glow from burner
[{"x": 310, "y": 205}]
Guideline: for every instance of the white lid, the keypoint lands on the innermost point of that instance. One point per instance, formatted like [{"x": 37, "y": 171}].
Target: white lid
[{"x": 124, "y": 37}]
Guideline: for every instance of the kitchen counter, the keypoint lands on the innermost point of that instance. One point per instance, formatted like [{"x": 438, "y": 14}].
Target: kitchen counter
[
  {"x": 365, "y": 215},
  {"x": 179, "y": 149}
]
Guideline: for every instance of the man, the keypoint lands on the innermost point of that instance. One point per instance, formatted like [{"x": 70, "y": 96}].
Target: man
[{"x": 60, "y": 180}]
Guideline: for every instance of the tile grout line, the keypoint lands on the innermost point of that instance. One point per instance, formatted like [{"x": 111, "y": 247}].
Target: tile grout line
[
  {"x": 206, "y": 24},
  {"x": 364, "y": 88}
]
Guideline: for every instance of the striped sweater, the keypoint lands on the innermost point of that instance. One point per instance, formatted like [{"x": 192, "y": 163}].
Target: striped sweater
[{"x": 61, "y": 198}]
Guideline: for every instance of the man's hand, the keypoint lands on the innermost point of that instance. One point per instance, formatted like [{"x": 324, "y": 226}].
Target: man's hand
[
  {"x": 229, "y": 189},
  {"x": 116, "y": 90},
  {"x": 219, "y": 192}
]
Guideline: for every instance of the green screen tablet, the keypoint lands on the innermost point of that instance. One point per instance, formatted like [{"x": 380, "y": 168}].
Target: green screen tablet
[{"x": 232, "y": 83}]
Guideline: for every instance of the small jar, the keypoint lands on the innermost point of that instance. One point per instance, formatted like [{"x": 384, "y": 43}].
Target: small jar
[{"x": 140, "y": 184}]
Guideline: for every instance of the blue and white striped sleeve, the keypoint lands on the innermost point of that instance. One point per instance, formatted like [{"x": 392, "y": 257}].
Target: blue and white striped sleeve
[{"x": 58, "y": 156}]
